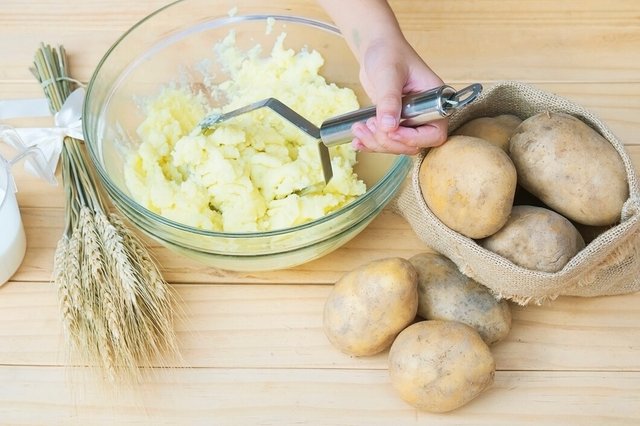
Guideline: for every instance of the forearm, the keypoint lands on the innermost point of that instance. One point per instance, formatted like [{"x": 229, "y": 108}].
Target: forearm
[{"x": 363, "y": 22}]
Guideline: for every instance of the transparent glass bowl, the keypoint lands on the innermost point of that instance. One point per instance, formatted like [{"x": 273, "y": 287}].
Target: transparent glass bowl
[{"x": 169, "y": 46}]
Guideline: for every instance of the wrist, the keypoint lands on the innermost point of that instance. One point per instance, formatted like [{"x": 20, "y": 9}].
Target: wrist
[
  {"x": 365, "y": 23},
  {"x": 391, "y": 39}
]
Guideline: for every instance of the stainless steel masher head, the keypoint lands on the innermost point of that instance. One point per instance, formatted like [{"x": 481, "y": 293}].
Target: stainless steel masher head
[{"x": 417, "y": 109}]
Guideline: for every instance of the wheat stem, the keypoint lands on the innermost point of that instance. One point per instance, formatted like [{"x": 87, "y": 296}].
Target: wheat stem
[{"x": 117, "y": 310}]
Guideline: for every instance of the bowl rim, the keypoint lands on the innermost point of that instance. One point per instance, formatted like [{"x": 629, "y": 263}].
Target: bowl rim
[{"x": 220, "y": 21}]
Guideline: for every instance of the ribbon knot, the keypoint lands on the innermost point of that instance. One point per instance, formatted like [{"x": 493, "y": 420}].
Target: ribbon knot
[
  {"x": 68, "y": 123},
  {"x": 69, "y": 119}
]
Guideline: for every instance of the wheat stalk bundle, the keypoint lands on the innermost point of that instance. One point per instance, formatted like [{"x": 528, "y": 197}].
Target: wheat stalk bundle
[{"x": 116, "y": 308}]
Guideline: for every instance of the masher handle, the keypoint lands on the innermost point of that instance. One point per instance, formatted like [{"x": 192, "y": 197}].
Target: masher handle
[{"x": 417, "y": 109}]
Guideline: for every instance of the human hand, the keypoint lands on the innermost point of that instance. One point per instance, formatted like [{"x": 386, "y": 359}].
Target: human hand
[{"x": 389, "y": 69}]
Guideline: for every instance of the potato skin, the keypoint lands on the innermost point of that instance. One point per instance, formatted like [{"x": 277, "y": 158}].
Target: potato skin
[
  {"x": 536, "y": 238},
  {"x": 570, "y": 168},
  {"x": 445, "y": 293},
  {"x": 439, "y": 366},
  {"x": 370, "y": 305},
  {"x": 497, "y": 130},
  {"x": 469, "y": 184}
]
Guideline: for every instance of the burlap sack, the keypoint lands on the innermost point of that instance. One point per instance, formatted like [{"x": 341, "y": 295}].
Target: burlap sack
[{"x": 609, "y": 265}]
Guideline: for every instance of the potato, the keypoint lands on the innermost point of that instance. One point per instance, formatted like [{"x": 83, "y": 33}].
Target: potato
[
  {"x": 439, "y": 366},
  {"x": 536, "y": 238},
  {"x": 570, "y": 167},
  {"x": 445, "y": 293},
  {"x": 469, "y": 184},
  {"x": 370, "y": 305},
  {"x": 497, "y": 130}
]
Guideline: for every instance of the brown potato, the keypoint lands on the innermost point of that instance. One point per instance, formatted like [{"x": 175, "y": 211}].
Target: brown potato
[
  {"x": 469, "y": 184},
  {"x": 536, "y": 238},
  {"x": 370, "y": 305},
  {"x": 570, "y": 167},
  {"x": 439, "y": 366},
  {"x": 445, "y": 293},
  {"x": 497, "y": 130}
]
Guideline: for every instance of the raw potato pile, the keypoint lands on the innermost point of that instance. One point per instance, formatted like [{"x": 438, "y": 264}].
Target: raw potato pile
[
  {"x": 522, "y": 189},
  {"x": 437, "y": 324},
  {"x": 532, "y": 191}
]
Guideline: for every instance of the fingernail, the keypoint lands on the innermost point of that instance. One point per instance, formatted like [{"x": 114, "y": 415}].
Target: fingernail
[
  {"x": 388, "y": 122},
  {"x": 356, "y": 144},
  {"x": 371, "y": 124}
]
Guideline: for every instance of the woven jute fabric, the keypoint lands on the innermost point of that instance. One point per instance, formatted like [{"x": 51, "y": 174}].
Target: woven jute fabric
[{"x": 610, "y": 264}]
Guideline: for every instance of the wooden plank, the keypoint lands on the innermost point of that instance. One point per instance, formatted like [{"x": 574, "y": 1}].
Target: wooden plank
[
  {"x": 511, "y": 44},
  {"x": 618, "y": 105},
  {"x": 252, "y": 343},
  {"x": 302, "y": 396},
  {"x": 388, "y": 235},
  {"x": 33, "y": 192},
  {"x": 89, "y": 34},
  {"x": 231, "y": 326},
  {"x": 410, "y": 12}
]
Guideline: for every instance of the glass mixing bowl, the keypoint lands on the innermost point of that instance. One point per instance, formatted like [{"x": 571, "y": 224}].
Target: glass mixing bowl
[{"x": 168, "y": 47}]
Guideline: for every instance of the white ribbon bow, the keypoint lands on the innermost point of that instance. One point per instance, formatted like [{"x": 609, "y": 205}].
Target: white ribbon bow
[{"x": 68, "y": 122}]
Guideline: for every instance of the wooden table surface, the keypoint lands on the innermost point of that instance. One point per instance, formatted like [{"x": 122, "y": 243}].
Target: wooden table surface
[{"x": 253, "y": 348}]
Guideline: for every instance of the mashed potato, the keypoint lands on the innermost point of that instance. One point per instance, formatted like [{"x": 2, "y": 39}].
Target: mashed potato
[{"x": 246, "y": 175}]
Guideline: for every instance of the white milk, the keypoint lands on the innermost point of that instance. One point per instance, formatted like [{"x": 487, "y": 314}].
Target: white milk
[{"x": 13, "y": 243}]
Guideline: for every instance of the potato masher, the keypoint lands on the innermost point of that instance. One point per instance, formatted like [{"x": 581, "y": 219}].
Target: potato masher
[{"x": 417, "y": 109}]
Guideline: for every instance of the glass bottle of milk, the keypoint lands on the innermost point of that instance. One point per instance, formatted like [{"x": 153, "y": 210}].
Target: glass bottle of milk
[{"x": 13, "y": 242}]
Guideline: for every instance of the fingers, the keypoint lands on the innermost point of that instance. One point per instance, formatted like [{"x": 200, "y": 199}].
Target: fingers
[
  {"x": 403, "y": 140},
  {"x": 388, "y": 111},
  {"x": 429, "y": 135},
  {"x": 389, "y": 85},
  {"x": 389, "y": 69}
]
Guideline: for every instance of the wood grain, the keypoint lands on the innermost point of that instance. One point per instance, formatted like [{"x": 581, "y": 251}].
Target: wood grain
[
  {"x": 307, "y": 396},
  {"x": 252, "y": 344},
  {"x": 236, "y": 326},
  {"x": 575, "y": 42},
  {"x": 388, "y": 235}
]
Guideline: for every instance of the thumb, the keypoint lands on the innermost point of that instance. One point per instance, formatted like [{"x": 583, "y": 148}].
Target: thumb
[{"x": 389, "y": 85}]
